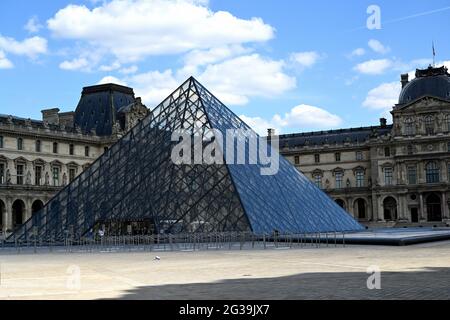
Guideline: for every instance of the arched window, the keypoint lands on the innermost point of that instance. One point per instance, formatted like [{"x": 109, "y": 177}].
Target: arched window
[
  {"x": 409, "y": 127},
  {"x": 432, "y": 172},
  {"x": 429, "y": 125},
  {"x": 19, "y": 144}
]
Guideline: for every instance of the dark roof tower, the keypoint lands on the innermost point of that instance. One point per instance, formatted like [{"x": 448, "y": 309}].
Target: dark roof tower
[
  {"x": 434, "y": 82},
  {"x": 99, "y": 105}
]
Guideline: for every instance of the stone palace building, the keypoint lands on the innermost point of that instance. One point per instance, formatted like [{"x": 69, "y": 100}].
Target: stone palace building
[
  {"x": 38, "y": 158},
  {"x": 383, "y": 175},
  {"x": 392, "y": 175}
]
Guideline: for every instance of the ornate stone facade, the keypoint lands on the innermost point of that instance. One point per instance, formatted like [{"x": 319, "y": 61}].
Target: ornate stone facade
[
  {"x": 38, "y": 158},
  {"x": 388, "y": 174}
]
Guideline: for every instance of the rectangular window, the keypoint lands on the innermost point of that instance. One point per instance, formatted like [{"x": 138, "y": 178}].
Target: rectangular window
[
  {"x": 318, "y": 181},
  {"x": 20, "y": 174},
  {"x": 72, "y": 174},
  {"x": 297, "y": 160},
  {"x": 339, "y": 179},
  {"x": 1, "y": 142},
  {"x": 359, "y": 156},
  {"x": 38, "y": 175},
  {"x": 19, "y": 144},
  {"x": 388, "y": 176},
  {"x": 360, "y": 179},
  {"x": 409, "y": 129},
  {"x": 38, "y": 145},
  {"x": 56, "y": 171},
  {"x": 432, "y": 172},
  {"x": 448, "y": 146},
  {"x": 86, "y": 151},
  {"x": 2, "y": 173},
  {"x": 71, "y": 149},
  {"x": 412, "y": 175},
  {"x": 337, "y": 156},
  {"x": 387, "y": 152},
  {"x": 448, "y": 172},
  {"x": 317, "y": 158},
  {"x": 55, "y": 147}
]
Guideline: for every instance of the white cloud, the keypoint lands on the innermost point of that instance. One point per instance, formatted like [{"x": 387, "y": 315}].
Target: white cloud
[
  {"x": 308, "y": 116},
  {"x": 260, "y": 125},
  {"x": 4, "y": 62},
  {"x": 300, "y": 117},
  {"x": 111, "y": 79},
  {"x": 385, "y": 96},
  {"x": 129, "y": 70},
  {"x": 134, "y": 29},
  {"x": 30, "y": 47},
  {"x": 378, "y": 47},
  {"x": 107, "y": 68},
  {"x": 154, "y": 86},
  {"x": 33, "y": 25},
  {"x": 75, "y": 64},
  {"x": 374, "y": 67},
  {"x": 358, "y": 52},
  {"x": 234, "y": 81},
  {"x": 305, "y": 59},
  {"x": 213, "y": 55}
]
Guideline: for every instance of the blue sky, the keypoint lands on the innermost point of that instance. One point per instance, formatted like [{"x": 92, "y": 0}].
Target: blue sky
[{"x": 292, "y": 65}]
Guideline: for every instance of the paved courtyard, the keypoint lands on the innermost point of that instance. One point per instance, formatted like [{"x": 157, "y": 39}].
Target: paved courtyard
[{"x": 413, "y": 272}]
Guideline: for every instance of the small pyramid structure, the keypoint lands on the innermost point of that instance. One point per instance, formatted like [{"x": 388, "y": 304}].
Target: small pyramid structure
[{"x": 136, "y": 179}]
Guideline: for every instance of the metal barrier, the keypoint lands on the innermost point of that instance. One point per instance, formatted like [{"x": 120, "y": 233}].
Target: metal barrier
[{"x": 175, "y": 242}]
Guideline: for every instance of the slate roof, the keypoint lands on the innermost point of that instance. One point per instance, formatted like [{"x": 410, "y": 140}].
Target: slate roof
[{"x": 339, "y": 136}]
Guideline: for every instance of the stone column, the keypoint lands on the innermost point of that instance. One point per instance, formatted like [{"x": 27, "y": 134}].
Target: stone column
[
  {"x": 350, "y": 206},
  {"x": 375, "y": 216},
  {"x": 444, "y": 206},
  {"x": 28, "y": 205},
  {"x": 380, "y": 209},
  {"x": 422, "y": 217},
  {"x": 4, "y": 218},
  {"x": 8, "y": 214},
  {"x": 401, "y": 208}
]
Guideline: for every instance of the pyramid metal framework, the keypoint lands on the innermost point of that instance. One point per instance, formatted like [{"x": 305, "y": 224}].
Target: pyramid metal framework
[{"x": 136, "y": 179}]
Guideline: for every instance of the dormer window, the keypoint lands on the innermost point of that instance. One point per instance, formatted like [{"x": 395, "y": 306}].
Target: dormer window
[
  {"x": 429, "y": 125},
  {"x": 409, "y": 127}
]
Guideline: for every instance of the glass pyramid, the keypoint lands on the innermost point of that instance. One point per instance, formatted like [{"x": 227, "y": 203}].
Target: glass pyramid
[{"x": 136, "y": 179}]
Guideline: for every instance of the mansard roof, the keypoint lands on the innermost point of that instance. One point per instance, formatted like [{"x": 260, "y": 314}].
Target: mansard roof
[{"x": 340, "y": 136}]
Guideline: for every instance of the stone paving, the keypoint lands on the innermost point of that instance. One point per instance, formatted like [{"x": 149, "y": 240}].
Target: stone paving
[{"x": 413, "y": 272}]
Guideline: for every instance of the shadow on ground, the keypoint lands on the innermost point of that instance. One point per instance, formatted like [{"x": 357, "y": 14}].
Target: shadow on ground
[{"x": 431, "y": 283}]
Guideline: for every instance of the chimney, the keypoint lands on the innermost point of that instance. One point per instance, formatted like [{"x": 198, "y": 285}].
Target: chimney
[
  {"x": 51, "y": 115},
  {"x": 383, "y": 122},
  {"x": 404, "y": 79},
  {"x": 270, "y": 132}
]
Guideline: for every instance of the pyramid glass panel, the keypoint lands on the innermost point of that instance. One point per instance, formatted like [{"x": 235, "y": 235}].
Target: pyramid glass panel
[{"x": 136, "y": 180}]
